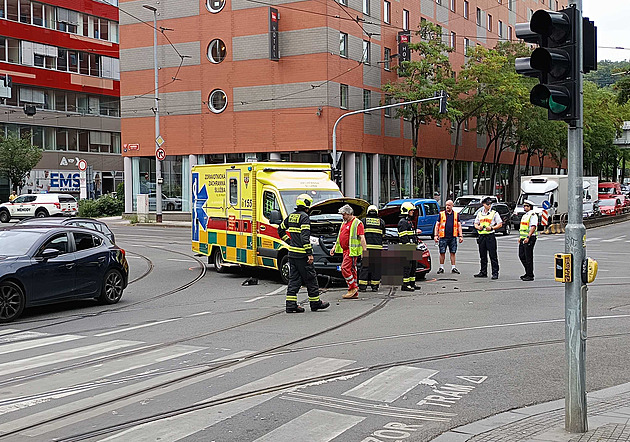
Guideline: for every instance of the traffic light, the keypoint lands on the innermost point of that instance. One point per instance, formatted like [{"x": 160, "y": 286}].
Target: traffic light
[{"x": 554, "y": 62}]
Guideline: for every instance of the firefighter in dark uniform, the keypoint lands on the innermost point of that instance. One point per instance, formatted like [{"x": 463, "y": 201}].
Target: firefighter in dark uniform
[
  {"x": 371, "y": 265},
  {"x": 407, "y": 235},
  {"x": 301, "y": 269}
]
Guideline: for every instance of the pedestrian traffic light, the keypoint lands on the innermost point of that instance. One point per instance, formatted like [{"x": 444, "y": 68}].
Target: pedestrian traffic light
[{"x": 554, "y": 62}]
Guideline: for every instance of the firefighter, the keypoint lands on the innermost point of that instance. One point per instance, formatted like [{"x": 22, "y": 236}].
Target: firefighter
[
  {"x": 407, "y": 235},
  {"x": 371, "y": 265},
  {"x": 301, "y": 268}
]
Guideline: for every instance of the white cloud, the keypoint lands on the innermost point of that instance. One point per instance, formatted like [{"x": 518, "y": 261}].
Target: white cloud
[{"x": 612, "y": 18}]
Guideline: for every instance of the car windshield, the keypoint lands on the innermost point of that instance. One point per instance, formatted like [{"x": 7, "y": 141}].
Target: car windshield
[
  {"x": 289, "y": 196},
  {"x": 465, "y": 200},
  {"x": 608, "y": 202},
  {"x": 17, "y": 242},
  {"x": 607, "y": 190},
  {"x": 470, "y": 210},
  {"x": 536, "y": 198}
]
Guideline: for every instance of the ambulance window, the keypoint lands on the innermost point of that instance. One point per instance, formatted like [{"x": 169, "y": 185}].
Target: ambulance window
[
  {"x": 270, "y": 202},
  {"x": 233, "y": 192}
]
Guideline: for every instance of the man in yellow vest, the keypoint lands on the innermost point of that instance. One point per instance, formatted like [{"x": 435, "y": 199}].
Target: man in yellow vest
[
  {"x": 487, "y": 222},
  {"x": 447, "y": 231},
  {"x": 350, "y": 242},
  {"x": 527, "y": 240}
]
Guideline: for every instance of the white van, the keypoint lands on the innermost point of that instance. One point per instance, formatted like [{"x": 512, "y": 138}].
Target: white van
[{"x": 39, "y": 205}]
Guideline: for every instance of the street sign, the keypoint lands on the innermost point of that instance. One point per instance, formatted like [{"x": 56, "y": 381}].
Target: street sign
[
  {"x": 159, "y": 140},
  {"x": 82, "y": 165},
  {"x": 131, "y": 146},
  {"x": 160, "y": 154},
  {"x": 546, "y": 205}
]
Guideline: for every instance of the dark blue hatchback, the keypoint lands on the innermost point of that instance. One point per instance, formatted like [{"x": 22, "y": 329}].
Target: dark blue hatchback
[{"x": 43, "y": 265}]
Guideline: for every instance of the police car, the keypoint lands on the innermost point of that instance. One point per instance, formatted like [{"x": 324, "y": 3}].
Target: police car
[{"x": 39, "y": 205}]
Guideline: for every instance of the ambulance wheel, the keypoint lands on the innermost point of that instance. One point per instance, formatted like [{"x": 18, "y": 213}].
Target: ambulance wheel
[
  {"x": 284, "y": 269},
  {"x": 507, "y": 229},
  {"x": 217, "y": 259},
  {"x": 5, "y": 217}
]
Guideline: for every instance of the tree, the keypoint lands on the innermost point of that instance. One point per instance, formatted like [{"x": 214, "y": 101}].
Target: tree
[
  {"x": 17, "y": 158},
  {"x": 622, "y": 87}
]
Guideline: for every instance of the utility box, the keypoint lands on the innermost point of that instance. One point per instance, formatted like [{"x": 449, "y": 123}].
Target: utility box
[
  {"x": 143, "y": 208},
  {"x": 563, "y": 267}
]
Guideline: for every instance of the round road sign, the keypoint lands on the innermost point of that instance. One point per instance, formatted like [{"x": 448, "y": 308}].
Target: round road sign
[
  {"x": 546, "y": 205},
  {"x": 160, "y": 154},
  {"x": 82, "y": 165}
]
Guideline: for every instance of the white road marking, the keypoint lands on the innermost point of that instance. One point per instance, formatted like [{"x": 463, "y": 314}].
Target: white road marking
[
  {"x": 181, "y": 260},
  {"x": 278, "y": 290},
  {"x": 22, "y": 336},
  {"x": 50, "y": 340},
  {"x": 313, "y": 426},
  {"x": 199, "y": 314},
  {"x": 619, "y": 238},
  {"x": 150, "y": 324},
  {"x": 390, "y": 384},
  {"x": 134, "y": 257},
  {"x": 7, "y": 331}
]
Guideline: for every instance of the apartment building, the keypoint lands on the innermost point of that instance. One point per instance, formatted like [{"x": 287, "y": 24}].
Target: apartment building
[
  {"x": 59, "y": 63},
  {"x": 249, "y": 79}
]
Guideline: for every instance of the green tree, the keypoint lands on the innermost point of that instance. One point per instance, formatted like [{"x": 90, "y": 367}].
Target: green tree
[
  {"x": 17, "y": 158},
  {"x": 622, "y": 87}
]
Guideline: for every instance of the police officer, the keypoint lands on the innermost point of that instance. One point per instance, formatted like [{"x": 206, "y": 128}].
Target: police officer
[
  {"x": 407, "y": 235},
  {"x": 371, "y": 265},
  {"x": 527, "y": 240},
  {"x": 301, "y": 269},
  {"x": 487, "y": 222}
]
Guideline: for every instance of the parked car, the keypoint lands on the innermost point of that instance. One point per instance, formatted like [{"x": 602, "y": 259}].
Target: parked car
[
  {"x": 465, "y": 200},
  {"x": 467, "y": 216},
  {"x": 88, "y": 223},
  {"x": 425, "y": 217},
  {"x": 39, "y": 205},
  {"x": 610, "y": 206},
  {"x": 43, "y": 264}
]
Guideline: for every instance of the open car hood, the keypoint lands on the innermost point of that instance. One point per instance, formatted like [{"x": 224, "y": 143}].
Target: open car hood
[{"x": 331, "y": 206}]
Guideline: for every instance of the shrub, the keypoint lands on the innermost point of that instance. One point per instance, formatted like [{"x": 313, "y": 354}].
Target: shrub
[{"x": 106, "y": 205}]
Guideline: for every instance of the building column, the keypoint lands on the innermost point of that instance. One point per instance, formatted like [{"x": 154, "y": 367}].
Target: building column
[
  {"x": 376, "y": 180},
  {"x": 471, "y": 177},
  {"x": 443, "y": 182},
  {"x": 349, "y": 175},
  {"x": 128, "y": 180}
]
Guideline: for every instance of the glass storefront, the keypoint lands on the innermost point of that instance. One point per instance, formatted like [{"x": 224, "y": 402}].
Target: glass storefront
[{"x": 175, "y": 186}]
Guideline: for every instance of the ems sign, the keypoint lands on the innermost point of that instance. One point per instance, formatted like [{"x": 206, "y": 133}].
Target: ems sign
[
  {"x": 64, "y": 182},
  {"x": 274, "y": 45}
]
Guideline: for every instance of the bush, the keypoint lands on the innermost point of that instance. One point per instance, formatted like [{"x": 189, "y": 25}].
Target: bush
[
  {"x": 120, "y": 193},
  {"x": 106, "y": 205}
]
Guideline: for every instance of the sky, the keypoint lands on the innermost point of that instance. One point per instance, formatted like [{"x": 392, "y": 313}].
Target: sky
[{"x": 612, "y": 18}]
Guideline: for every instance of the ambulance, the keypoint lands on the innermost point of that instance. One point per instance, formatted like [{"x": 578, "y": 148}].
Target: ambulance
[{"x": 236, "y": 210}]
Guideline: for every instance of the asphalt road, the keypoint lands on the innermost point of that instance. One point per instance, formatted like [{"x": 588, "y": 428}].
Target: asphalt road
[{"x": 189, "y": 354}]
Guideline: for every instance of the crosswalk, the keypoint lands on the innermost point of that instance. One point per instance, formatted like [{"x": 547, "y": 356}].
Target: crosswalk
[{"x": 54, "y": 386}]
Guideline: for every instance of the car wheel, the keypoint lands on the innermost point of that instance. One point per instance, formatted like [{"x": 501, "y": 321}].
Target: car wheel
[
  {"x": 113, "y": 285},
  {"x": 284, "y": 269},
  {"x": 12, "y": 301},
  {"x": 170, "y": 207},
  {"x": 41, "y": 213},
  {"x": 5, "y": 216},
  {"x": 217, "y": 259},
  {"x": 507, "y": 229}
]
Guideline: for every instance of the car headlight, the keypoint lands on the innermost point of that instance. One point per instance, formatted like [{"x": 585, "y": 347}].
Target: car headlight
[{"x": 314, "y": 240}]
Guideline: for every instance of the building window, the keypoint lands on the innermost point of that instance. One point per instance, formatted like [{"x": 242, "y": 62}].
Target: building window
[
  {"x": 366, "y": 7},
  {"x": 216, "y": 51},
  {"x": 510, "y": 33},
  {"x": 511, "y": 5},
  {"x": 343, "y": 2},
  {"x": 465, "y": 9},
  {"x": 405, "y": 20},
  {"x": 388, "y": 58},
  {"x": 343, "y": 96},
  {"x": 453, "y": 40},
  {"x": 366, "y": 52},
  {"x": 217, "y": 101},
  {"x": 343, "y": 44},
  {"x": 500, "y": 29},
  {"x": 25, "y": 11},
  {"x": 489, "y": 23},
  {"x": 367, "y": 99},
  {"x": 439, "y": 2},
  {"x": 466, "y": 45},
  {"x": 387, "y": 11},
  {"x": 388, "y": 110},
  {"x": 215, "y": 6},
  {"x": 479, "y": 17},
  {"x": 453, "y": 5}
]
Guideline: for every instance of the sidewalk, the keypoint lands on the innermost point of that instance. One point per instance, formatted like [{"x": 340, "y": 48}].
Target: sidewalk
[
  {"x": 608, "y": 420},
  {"x": 118, "y": 220}
]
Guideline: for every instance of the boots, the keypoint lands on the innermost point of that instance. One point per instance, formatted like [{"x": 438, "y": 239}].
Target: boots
[
  {"x": 363, "y": 288},
  {"x": 293, "y": 307},
  {"x": 375, "y": 288},
  {"x": 352, "y": 294},
  {"x": 407, "y": 288},
  {"x": 319, "y": 305}
]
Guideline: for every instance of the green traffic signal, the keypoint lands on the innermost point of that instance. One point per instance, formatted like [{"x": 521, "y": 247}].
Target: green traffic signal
[{"x": 556, "y": 99}]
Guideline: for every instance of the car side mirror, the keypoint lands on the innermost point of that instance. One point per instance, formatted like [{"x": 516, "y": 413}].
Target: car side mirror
[
  {"x": 275, "y": 217},
  {"x": 48, "y": 254},
  {"x": 555, "y": 204}
]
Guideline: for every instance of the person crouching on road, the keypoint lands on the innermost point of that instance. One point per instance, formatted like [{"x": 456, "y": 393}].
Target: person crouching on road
[
  {"x": 301, "y": 268},
  {"x": 371, "y": 265},
  {"x": 350, "y": 242},
  {"x": 447, "y": 231},
  {"x": 407, "y": 234},
  {"x": 487, "y": 222},
  {"x": 527, "y": 240}
]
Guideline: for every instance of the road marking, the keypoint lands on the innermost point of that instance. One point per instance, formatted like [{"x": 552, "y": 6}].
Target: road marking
[
  {"x": 181, "y": 260},
  {"x": 50, "y": 340},
  {"x": 390, "y": 384},
  {"x": 278, "y": 290},
  {"x": 122, "y": 330},
  {"x": 199, "y": 314},
  {"x": 314, "y": 425},
  {"x": 619, "y": 238},
  {"x": 21, "y": 336}
]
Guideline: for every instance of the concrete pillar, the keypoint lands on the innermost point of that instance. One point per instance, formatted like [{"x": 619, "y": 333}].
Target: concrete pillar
[
  {"x": 187, "y": 183},
  {"x": 128, "y": 179},
  {"x": 349, "y": 169},
  {"x": 471, "y": 177},
  {"x": 376, "y": 181},
  {"x": 443, "y": 182},
  {"x": 274, "y": 156}
]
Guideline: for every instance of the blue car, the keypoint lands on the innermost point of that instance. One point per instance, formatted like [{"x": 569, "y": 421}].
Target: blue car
[
  {"x": 427, "y": 213},
  {"x": 46, "y": 264}
]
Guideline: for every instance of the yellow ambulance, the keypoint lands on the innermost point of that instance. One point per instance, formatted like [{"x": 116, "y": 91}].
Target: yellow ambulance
[{"x": 236, "y": 210}]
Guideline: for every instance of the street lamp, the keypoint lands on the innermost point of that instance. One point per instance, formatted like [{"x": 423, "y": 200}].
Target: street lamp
[{"x": 158, "y": 163}]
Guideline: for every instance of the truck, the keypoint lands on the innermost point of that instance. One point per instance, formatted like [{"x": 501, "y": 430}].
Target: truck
[
  {"x": 236, "y": 210},
  {"x": 552, "y": 189}
]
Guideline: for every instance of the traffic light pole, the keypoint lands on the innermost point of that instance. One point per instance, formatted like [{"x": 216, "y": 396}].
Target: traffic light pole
[{"x": 575, "y": 244}]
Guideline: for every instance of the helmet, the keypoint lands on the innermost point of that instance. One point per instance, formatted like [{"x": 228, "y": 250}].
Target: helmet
[
  {"x": 304, "y": 200},
  {"x": 372, "y": 210},
  {"x": 406, "y": 207},
  {"x": 530, "y": 203}
]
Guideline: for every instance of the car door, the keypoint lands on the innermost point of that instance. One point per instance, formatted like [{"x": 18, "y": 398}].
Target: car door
[
  {"x": 91, "y": 260},
  {"x": 23, "y": 206},
  {"x": 431, "y": 214},
  {"x": 52, "y": 279}
]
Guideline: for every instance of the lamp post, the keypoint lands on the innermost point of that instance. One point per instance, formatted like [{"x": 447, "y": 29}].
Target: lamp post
[{"x": 158, "y": 163}]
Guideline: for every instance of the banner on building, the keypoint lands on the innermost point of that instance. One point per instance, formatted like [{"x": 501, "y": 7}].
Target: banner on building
[{"x": 274, "y": 44}]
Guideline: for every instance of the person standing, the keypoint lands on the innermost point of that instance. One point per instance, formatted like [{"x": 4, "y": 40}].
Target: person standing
[
  {"x": 448, "y": 230},
  {"x": 527, "y": 240},
  {"x": 301, "y": 268},
  {"x": 12, "y": 196},
  {"x": 371, "y": 264},
  {"x": 350, "y": 242},
  {"x": 407, "y": 235},
  {"x": 487, "y": 222}
]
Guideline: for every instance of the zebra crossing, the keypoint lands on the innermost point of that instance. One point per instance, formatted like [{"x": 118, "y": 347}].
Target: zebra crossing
[{"x": 54, "y": 386}]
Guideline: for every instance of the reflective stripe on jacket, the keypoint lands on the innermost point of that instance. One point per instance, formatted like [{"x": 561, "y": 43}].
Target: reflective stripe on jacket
[
  {"x": 374, "y": 232},
  {"x": 406, "y": 231},
  {"x": 442, "y": 226},
  {"x": 355, "y": 243},
  {"x": 298, "y": 224}
]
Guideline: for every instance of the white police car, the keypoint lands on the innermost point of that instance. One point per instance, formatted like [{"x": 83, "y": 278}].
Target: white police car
[{"x": 39, "y": 205}]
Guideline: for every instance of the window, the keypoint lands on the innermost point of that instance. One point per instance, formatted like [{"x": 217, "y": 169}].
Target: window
[
  {"x": 388, "y": 110},
  {"x": 511, "y": 5},
  {"x": 388, "y": 58},
  {"x": 510, "y": 33},
  {"x": 367, "y": 99},
  {"x": 466, "y": 45},
  {"x": 233, "y": 191},
  {"x": 12, "y": 10},
  {"x": 57, "y": 242},
  {"x": 13, "y": 50},
  {"x": 366, "y": 52},
  {"x": 343, "y": 96},
  {"x": 217, "y": 101},
  {"x": 405, "y": 20},
  {"x": 465, "y": 9},
  {"x": 215, "y": 6},
  {"x": 73, "y": 61},
  {"x": 85, "y": 241},
  {"x": 343, "y": 44},
  {"x": 343, "y": 2},
  {"x": 25, "y": 11},
  {"x": 62, "y": 60},
  {"x": 366, "y": 7},
  {"x": 216, "y": 51},
  {"x": 479, "y": 17},
  {"x": 387, "y": 11},
  {"x": 439, "y": 2},
  {"x": 453, "y": 40},
  {"x": 466, "y": 125},
  {"x": 489, "y": 23},
  {"x": 500, "y": 29},
  {"x": 270, "y": 203},
  {"x": 453, "y": 5}
]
